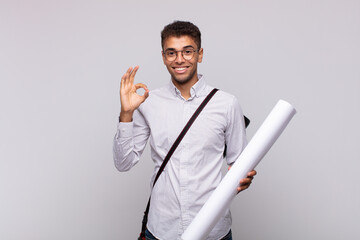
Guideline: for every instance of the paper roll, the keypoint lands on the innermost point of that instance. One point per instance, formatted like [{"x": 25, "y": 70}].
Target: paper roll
[{"x": 221, "y": 198}]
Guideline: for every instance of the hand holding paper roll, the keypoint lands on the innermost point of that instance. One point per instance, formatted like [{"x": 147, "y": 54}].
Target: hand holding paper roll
[
  {"x": 245, "y": 182},
  {"x": 259, "y": 145}
]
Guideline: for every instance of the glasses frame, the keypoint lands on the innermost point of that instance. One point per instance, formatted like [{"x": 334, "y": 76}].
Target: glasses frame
[{"x": 182, "y": 54}]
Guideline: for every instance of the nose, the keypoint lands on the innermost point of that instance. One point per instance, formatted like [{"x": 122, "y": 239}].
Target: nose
[{"x": 179, "y": 57}]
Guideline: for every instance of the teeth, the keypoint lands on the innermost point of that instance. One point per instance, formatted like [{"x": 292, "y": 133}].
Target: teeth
[{"x": 179, "y": 69}]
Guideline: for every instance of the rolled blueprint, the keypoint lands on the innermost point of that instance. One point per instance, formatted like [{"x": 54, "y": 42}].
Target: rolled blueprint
[{"x": 221, "y": 198}]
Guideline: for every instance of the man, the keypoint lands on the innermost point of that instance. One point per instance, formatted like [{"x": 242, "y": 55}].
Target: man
[{"x": 194, "y": 170}]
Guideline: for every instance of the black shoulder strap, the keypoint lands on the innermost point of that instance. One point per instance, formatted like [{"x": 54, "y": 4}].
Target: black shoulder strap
[
  {"x": 173, "y": 148},
  {"x": 184, "y": 131}
]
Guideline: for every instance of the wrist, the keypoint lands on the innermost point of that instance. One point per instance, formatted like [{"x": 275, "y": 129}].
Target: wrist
[{"x": 125, "y": 116}]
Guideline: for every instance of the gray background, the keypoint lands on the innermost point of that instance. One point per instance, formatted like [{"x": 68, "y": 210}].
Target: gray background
[{"x": 60, "y": 69}]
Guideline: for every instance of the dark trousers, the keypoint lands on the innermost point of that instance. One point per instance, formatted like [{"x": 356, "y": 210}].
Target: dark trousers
[{"x": 149, "y": 236}]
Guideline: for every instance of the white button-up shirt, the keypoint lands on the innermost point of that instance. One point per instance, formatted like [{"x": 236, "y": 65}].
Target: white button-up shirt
[{"x": 194, "y": 170}]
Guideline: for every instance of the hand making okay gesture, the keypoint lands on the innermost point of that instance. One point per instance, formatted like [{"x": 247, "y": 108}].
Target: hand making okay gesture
[{"x": 130, "y": 99}]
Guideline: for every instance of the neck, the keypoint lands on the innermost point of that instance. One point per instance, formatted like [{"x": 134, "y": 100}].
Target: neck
[{"x": 185, "y": 87}]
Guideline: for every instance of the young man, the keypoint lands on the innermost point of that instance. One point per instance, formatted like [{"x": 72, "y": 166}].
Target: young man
[{"x": 194, "y": 170}]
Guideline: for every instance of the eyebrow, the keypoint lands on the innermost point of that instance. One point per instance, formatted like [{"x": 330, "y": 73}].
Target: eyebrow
[{"x": 173, "y": 49}]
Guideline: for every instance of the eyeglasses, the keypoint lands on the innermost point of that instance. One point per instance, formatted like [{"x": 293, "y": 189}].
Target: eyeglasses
[{"x": 187, "y": 54}]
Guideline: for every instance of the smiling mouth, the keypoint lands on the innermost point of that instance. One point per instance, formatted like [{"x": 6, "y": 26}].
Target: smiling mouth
[{"x": 180, "y": 69}]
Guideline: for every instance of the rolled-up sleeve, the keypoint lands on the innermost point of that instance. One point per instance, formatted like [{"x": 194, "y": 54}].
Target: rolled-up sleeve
[{"x": 130, "y": 141}]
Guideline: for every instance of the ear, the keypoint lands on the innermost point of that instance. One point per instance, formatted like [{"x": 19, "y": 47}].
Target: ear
[{"x": 201, "y": 52}]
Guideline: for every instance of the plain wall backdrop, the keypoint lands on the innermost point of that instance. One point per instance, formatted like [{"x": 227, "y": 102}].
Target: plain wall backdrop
[{"x": 60, "y": 69}]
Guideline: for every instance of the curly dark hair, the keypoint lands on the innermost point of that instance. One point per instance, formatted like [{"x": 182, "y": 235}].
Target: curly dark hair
[{"x": 181, "y": 28}]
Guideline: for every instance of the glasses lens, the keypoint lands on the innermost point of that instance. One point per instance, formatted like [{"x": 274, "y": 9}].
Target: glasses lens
[
  {"x": 170, "y": 55},
  {"x": 187, "y": 54}
]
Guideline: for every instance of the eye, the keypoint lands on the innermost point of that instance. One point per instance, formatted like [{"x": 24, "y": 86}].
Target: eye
[
  {"x": 170, "y": 53},
  {"x": 188, "y": 52}
]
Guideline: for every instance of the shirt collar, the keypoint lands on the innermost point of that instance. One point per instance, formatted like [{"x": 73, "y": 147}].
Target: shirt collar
[{"x": 195, "y": 91}]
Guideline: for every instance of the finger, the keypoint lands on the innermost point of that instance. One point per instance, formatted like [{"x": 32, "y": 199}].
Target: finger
[
  {"x": 146, "y": 94},
  {"x": 133, "y": 73},
  {"x": 252, "y": 173},
  {"x": 123, "y": 80},
  {"x": 245, "y": 181},
  {"x": 126, "y": 76},
  {"x": 242, "y": 188},
  {"x": 244, "y": 184},
  {"x": 250, "y": 177},
  {"x": 143, "y": 86}
]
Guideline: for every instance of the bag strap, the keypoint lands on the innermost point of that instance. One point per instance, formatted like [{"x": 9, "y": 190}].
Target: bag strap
[
  {"x": 173, "y": 148},
  {"x": 183, "y": 132}
]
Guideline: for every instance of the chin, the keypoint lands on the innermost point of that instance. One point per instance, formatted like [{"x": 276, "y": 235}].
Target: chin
[{"x": 181, "y": 80}]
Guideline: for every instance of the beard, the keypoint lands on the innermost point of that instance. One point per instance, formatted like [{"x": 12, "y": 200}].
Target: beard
[{"x": 184, "y": 79}]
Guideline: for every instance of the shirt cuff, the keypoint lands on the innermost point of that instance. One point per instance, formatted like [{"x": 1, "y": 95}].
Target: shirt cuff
[{"x": 125, "y": 129}]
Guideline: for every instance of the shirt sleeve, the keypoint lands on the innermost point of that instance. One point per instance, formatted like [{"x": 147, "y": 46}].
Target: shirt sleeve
[
  {"x": 235, "y": 135},
  {"x": 130, "y": 141}
]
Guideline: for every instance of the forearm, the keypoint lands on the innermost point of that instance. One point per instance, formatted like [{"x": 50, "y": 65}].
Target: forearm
[
  {"x": 123, "y": 148},
  {"x": 129, "y": 142}
]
